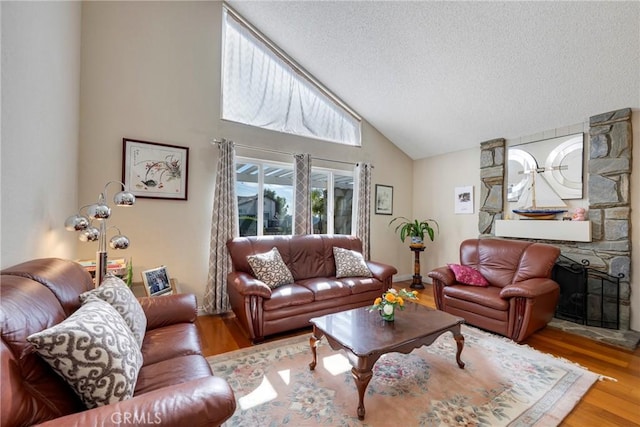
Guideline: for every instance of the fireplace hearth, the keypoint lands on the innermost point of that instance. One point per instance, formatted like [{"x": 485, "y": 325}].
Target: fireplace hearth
[{"x": 587, "y": 296}]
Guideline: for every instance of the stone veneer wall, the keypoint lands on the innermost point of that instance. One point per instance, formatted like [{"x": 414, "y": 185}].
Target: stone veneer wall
[
  {"x": 609, "y": 170},
  {"x": 492, "y": 159}
]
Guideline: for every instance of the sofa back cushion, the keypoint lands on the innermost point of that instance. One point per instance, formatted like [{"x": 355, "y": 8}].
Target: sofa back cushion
[
  {"x": 503, "y": 261},
  {"x": 306, "y": 256},
  {"x": 34, "y": 296}
]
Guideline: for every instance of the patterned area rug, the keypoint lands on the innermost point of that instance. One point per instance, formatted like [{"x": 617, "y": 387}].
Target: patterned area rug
[{"x": 502, "y": 384}]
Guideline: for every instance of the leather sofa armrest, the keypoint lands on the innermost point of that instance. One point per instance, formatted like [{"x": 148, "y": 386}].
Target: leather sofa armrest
[
  {"x": 443, "y": 274},
  {"x": 381, "y": 271},
  {"x": 245, "y": 284},
  {"x": 203, "y": 402},
  {"x": 530, "y": 288},
  {"x": 169, "y": 309}
]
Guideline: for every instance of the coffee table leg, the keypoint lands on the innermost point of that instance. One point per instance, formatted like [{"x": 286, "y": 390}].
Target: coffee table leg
[
  {"x": 313, "y": 342},
  {"x": 362, "y": 379},
  {"x": 460, "y": 344}
]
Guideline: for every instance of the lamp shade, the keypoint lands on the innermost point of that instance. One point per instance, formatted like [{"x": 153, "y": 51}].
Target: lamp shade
[
  {"x": 99, "y": 211},
  {"x": 90, "y": 234},
  {"x": 76, "y": 222},
  {"x": 119, "y": 242},
  {"x": 124, "y": 198}
]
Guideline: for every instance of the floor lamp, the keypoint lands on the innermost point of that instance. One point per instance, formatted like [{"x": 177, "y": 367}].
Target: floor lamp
[{"x": 101, "y": 212}]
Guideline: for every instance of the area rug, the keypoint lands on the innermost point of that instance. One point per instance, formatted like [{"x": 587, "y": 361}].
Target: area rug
[{"x": 502, "y": 384}]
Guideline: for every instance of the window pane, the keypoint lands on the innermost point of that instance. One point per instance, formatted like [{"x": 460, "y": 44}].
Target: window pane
[
  {"x": 319, "y": 201},
  {"x": 343, "y": 202},
  {"x": 247, "y": 175},
  {"x": 278, "y": 199},
  {"x": 261, "y": 89}
]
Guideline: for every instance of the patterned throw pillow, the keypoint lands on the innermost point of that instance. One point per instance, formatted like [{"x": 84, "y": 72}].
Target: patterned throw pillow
[
  {"x": 350, "y": 263},
  {"x": 270, "y": 268},
  {"x": 468, "y": 275},
  {"x": 114, "y": 291},
  {"x": 94, "y": 351}
]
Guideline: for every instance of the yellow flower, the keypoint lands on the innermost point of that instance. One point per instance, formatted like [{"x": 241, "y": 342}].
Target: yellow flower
[
  {"x": 377, "y": 301},
  {"x": 390, "y": 297},
  {"x": 400, "y": 301}
]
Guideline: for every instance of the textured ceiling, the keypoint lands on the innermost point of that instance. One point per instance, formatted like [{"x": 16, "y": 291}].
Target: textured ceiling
[{"x": 437, "y": 77}]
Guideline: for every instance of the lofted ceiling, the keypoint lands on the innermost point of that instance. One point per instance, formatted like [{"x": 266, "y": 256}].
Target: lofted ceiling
[{"x": 438, "y": 77}]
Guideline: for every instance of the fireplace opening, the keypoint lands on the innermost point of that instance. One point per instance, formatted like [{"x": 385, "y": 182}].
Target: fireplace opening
[{"x": 587, "y": 296}]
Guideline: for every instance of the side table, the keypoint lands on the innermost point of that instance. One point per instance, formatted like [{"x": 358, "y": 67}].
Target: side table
[{"x": 416, "y": 283}]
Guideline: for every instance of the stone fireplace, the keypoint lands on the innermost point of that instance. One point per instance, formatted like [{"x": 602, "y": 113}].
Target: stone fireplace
[{"x": 608, "y": 192}]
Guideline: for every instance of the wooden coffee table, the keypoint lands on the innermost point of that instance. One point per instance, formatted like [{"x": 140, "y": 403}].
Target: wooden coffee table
[{"x": 365, "y": 337}]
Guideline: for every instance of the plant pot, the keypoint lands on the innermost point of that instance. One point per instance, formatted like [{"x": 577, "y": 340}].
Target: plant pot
[{"x": 416, "y": 241}]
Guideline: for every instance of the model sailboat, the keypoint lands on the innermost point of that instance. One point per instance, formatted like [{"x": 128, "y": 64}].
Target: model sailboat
[{"x": 539, "y": 200}]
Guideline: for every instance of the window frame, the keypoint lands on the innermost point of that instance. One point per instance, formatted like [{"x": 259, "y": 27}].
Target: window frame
[{"x": 331, "y": 173}]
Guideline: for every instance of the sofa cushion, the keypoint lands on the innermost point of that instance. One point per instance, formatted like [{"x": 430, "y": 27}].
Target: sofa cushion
[
  {"x": 287, "y": 296},
  {"x": 468, "y": 275},
  {"x": 350, "y": 263},
  {"x": 326, "y": 288},
  {"x": 168, "y": 342},
  {"x": 269, "y": 268},
  {"x": 115, "y": 292},
  {"x": 169, "y": 373},
  {"x": 94, "y": 351},
  {"x": 488, "y": 297}
]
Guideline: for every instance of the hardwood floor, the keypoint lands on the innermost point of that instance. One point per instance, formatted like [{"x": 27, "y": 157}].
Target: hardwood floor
[{"x": 607, "y": 403}]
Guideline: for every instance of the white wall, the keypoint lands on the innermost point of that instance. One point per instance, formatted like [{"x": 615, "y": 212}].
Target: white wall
[
  {"x": 435, "y": 180},
  {"x": 151, "y": 71},
  {"x": 40, "y": 116}
]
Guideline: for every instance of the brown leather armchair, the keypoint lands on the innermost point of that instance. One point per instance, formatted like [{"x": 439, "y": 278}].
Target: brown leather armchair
[
  {"x": 520, "y": 299},
  {"x": 175, "y": 386}
]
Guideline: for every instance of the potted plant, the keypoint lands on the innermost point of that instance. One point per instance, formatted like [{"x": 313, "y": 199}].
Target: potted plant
[{"x": 415, "y": 229}]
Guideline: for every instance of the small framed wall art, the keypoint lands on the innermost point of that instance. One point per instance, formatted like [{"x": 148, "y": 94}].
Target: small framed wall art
[
  {"x": 464, "y": 200},
  {"x": 157, "y": 282},
  {"x": 154, "y": 170},
  {"x": 384, "y": 199}
]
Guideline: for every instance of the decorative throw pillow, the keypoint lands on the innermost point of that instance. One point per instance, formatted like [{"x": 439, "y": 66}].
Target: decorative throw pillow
[
  {"x": 468, "y": 275},
  {"x": 270, "y": 268},
  {"x": 94, "y": 351},
  {"x": 115, "y": 292},
  {"x": 350, "y": 263}
]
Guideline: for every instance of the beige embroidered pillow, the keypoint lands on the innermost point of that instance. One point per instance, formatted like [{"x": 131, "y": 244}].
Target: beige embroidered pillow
[
  {"x": 115, "y": 292},
  {"x": 350, "y": 263},
  {"x": 270, "y": 268},
  {"x": 94, "y": 351}
]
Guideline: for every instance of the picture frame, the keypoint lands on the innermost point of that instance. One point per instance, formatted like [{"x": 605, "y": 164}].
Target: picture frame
[
  {"x": 155, "y": 171},
  {"x": 157, "y": 282},
  {"x": 384, "y": 199},
  {"x": 463, "y": 200}
]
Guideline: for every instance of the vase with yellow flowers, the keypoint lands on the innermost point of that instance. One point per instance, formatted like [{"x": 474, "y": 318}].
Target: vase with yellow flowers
[{"x": 392, "y": 300}]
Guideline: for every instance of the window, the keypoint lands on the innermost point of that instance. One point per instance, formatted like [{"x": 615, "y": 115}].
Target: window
[
  {"x": 265, "y": 198},
  {"x": 262, "y": 87}
]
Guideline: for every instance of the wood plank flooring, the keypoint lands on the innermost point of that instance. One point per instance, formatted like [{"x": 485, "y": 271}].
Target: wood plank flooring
[{"x": 607, "y": 403}]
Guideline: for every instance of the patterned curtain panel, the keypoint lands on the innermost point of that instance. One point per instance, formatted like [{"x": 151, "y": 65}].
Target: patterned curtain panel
[
  {"x": 363, "y": 209},
  {"x": 224, "y": 226},
  {"x": 302, "y": 209}
]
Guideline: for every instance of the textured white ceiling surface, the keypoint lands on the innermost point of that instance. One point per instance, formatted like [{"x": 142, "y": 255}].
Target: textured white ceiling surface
[{"x": 438, "y": 77}]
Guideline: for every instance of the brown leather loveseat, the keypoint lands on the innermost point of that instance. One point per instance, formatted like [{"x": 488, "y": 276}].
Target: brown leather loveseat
[
  {"x": 175, "y": 385},
  {"x": 520, "y": 297},
  {"x": 316, "y": 291}
]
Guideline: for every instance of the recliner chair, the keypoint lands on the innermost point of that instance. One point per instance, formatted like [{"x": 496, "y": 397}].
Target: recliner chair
[{"x": 520, "y": 297}]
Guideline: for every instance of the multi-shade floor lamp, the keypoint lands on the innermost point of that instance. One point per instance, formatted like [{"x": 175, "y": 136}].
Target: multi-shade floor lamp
[{"x": 101, "y": 212}]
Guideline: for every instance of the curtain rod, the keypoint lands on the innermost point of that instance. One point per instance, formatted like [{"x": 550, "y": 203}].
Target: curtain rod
[{"x": 269, "y": 150}]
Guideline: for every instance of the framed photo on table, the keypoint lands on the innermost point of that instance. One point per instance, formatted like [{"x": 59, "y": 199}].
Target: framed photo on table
[
  {"x": 157, "y": 282},
  {"x": 154, "y": 170},
  {"x": 384, "y": 199}
]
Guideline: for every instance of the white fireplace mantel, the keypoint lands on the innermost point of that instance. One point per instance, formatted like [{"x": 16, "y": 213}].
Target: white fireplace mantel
[{"x": 573, "y": 231}]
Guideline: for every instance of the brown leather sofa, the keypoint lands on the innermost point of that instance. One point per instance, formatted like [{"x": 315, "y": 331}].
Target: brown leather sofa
[
  {"x": 263, "y": 311},
  {"x": 520, "y": 299},
  {"x": 175, "y": 385}
]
